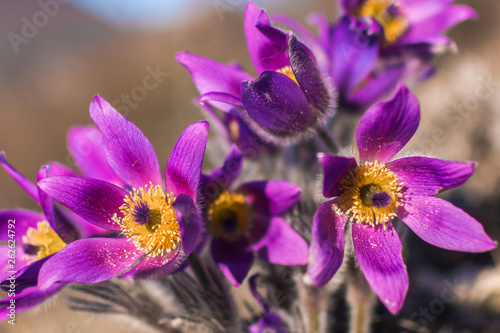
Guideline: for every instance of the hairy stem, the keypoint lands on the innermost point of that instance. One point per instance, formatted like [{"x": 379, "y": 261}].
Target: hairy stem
[
  {"x": 361, "y": 300},
  {"x": 328, "y": 140}
]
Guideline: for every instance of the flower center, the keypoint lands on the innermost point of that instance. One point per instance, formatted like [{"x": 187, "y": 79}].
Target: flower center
[
  {"x": 370, "y": 194},
  {"x": 287, "y": 70},
  {"x": 229, "y": 216},
  {"x": 388, "y": 13},
  {"x": 149, "y": 220},
  {"x": 42, "y": 241}
]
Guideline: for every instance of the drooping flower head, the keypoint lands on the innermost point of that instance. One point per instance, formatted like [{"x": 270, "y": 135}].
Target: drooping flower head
[
  {"x": 160, "y": 225},
  {"x": 245, "y": 221},
  {"x": 288, "y": 99},
  {"x": 377, "y": 190}
]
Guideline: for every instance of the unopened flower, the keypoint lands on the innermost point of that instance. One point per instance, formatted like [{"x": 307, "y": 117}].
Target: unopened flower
[
  {"x": 378, "y": 190},
  {"x": 160, "y": 225},
  {"x": 245, "y": 221},
  {"x": 288, "y": 99}
]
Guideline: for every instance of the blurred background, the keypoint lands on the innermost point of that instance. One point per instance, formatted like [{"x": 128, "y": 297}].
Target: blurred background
[{"x": 56, "y": 55}]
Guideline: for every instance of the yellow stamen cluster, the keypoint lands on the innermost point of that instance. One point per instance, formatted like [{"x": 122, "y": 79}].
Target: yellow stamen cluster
[
  {"x": 46, "y": 240},
  {"x": 394, "y": 24},
  {"x": 362, "y": 182},
  {"x": 160, "y": 234},
  {"x": 229, "y": 207},
  {"x": 287, "y": 70}
]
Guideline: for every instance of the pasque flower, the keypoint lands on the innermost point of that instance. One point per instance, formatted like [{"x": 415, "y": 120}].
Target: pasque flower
[
  {"x": 362, "y": 72},
  {"x": 161, "y": 225},
  {"x": 38, "y": 236},
  {"x": 287, "y": 100},
  {"x": 245, "y": 221},
  {"x": 378, "y": 190},
  {"x": 404, "y": 22}
]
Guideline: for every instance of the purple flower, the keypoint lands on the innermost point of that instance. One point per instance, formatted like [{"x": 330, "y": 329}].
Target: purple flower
[
  {"x": 245, "y": 221},
  {"x": 232, "y": 129},
  {"x": 404, "y": 22},
  {"x": 37, "y": 236},
  {"x": 269, "y": 321},
  {"x": 350, "y": 52},
  {"x": 286, "y": 101},
  {"x": 160, "y": 224},
  {"x": 378, "y": 190}
]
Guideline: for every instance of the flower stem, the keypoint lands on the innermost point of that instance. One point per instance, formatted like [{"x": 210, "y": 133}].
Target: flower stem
[
  {"x": 361, "y": 300},
  {"x": 198, "y": 270},
  {"x": 327, "y": 140}
]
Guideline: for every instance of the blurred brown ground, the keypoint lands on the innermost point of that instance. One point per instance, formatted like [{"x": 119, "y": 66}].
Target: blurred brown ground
[{"x": 46, "y": 88}]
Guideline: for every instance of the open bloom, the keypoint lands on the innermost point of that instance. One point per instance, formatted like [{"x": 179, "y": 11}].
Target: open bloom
[
  {"x": 286, "y": 101},
  {"x": 245, "y": 221},
  {"x": 404, "y": 22},
  {"x": 160, "y": 224},
  {"x": 32, "y": 238},
  {"x": 376, "y": 191}
]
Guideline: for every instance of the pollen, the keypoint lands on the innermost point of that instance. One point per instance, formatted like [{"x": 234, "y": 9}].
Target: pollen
[
  {"x": 371, "y": 194},
  {"x": 287, "y": 70},
  {"x": 389, "y": 14},
  {"x": 41, "y": 242},
  {"x": 229, "y": 216},
  {"x": 149, "y": 220}
]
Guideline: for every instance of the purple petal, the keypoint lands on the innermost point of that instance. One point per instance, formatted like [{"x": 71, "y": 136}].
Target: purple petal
[
  {"x": 266, "y": 44},
  {"x": 85, "y": 146},
  {"x": 441, "y": 224},
  {"x": 27, "y": 299},
  {"x": 183, "y": 171},
  {"x": 20, "y": 221},
  {"x": 428, "y": 176},
  {"x": 379, "y": 85},
  {"x": 210, "y": 76},
  {"x": 232, "y": 258},
  {"x": 277, "y": 103},
  {"x": 378, "y": 252},
  {"x": 272, "y": 197},
  {"x": 190, "y": 222},
  {"x": 89, "y": 260},
  {"x": 149, "y": 267},
  {"x": 334, "y": 168},
  {"x": 386, "y": 127},
  {"x": 24, "y": 182},
  {"x": 226, "y": 175},
  {"x": 282, "y": 245},
  {"x": 27, "y": 276},
  {"x": 436, "y": 22},
  {"x": 349, "y": 5},
  {"x": 326, "y": 251},
  {"x": 128, "y": 151},
  {"x": 218, "y": 97},
  {"x": 308, "y": 76},
  {"x": 57, "y": 220},
  {"x": 94, "y": 200},
  {"x": 354, "y": 54}
]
